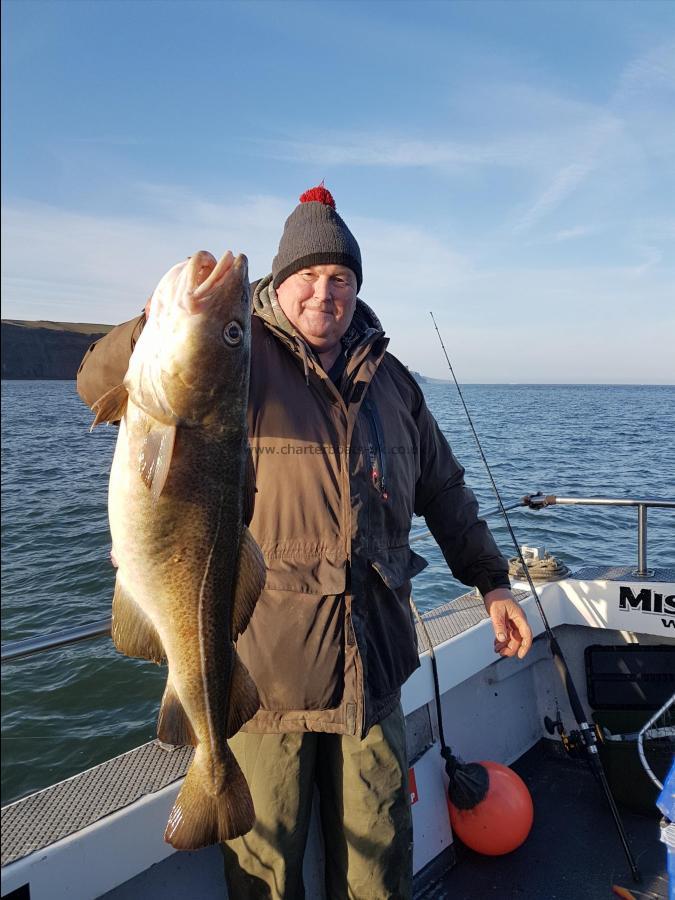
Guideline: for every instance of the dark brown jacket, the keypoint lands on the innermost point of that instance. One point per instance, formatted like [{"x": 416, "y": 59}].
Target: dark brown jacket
[{"x": 339, "y": 475}]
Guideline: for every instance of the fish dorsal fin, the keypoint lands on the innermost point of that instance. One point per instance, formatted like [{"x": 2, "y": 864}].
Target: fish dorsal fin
[
  {"x": 244, "y": 700},
  {"x": 249, "y": 582},
  {"x": 155, "y": 457},
  {"x": 111, "y": 406},
  {"x": 132, "y": 631}
]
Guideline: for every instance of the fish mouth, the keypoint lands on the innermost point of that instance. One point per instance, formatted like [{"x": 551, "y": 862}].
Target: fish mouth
[{"x": 206, "y": 276}]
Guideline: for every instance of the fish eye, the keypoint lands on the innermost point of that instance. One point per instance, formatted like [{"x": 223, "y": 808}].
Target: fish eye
[{"x": 233, "y": 334}]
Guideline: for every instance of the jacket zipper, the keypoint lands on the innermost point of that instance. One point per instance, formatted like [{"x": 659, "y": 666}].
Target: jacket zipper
[{"x": 377, "y": 460}]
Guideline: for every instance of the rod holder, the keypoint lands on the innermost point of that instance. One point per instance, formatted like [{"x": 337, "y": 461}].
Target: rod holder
[{"x": 642, "y": 569}]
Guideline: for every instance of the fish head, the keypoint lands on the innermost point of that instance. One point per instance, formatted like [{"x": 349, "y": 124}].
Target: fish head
[{"x": 193, "y": 355}]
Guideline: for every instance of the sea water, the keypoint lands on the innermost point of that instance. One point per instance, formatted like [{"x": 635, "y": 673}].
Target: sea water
[{"x": 71, "y": 708}]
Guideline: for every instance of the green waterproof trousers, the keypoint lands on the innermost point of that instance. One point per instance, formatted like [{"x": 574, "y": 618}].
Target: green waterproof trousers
[{"x": 364, "y": 805}]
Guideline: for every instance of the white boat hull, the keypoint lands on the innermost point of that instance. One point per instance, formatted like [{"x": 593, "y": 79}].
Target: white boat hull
[{"x": 492, "y": 709}]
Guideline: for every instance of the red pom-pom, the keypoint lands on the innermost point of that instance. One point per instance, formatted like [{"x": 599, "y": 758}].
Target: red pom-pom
[{"x": 320, "y": 194}]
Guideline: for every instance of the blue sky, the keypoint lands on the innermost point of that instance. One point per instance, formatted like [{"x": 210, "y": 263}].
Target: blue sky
[{"x": 510, "y": 166}]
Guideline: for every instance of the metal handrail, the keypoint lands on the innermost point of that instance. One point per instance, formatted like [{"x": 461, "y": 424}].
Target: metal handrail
[
  {"x": 12, "y": 650},
  {"x": 606, "y": 501},
  {"x": 642, "y": 506},
  {"x": 541, "y": 501},
  {"x": 27, "y": 646}
]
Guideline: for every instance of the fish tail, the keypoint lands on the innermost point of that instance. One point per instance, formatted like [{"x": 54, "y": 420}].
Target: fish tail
[{"x": 203, "y": 815}]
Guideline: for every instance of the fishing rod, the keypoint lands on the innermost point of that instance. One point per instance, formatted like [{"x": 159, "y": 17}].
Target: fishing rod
[{"x": 587, "y": 732}]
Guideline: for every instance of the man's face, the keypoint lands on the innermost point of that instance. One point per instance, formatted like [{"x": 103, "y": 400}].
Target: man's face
[{"x": 319, "y": 301}]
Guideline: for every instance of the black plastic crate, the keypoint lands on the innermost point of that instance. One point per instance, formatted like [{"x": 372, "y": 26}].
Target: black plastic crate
[
  {"x": 629, "y": 676},
  {"x": 630, "y": 784}
]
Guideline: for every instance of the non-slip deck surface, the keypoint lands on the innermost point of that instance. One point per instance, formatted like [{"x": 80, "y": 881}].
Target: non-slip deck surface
[
  {"x": 453, "y": 618},
  {"x": 50, "y": 815},
  {"x": 65, "y": 808},
  {"x": 573, "y": 851},
  {"x": 622, "y": 573}
]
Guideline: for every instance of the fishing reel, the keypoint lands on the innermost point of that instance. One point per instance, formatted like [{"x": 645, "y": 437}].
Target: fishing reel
[{"x": 573, "y": 742}]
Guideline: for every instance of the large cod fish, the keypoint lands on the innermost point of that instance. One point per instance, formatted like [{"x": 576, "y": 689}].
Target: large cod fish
[{"x": 181, "y": 496}]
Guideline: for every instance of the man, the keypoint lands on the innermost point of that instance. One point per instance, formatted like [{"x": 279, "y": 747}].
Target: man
[{"x": 345, "y": 452}]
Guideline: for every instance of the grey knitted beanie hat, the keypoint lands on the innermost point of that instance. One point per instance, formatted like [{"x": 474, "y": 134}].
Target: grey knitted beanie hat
[{"x": 315, "y": 235}]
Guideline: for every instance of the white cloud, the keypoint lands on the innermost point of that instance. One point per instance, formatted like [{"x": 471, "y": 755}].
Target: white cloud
[
  {"x": 571, "y": 234},
  {"x": 652, "y": 71},
  {"x": 388, "y": 151},
  {"x": 60, "y": 263},
  {"x": 603, "y": 134},
  {"x": 495, "y": 124},
  {"x": 564, "y": 183},
  {"x": 399, "y": 259},
  {"x": 567, "y": 149},
  {"x": 594, "y": 324},
  {"x": 526, "y": 323},
  {"x": 652, "y": 256}
]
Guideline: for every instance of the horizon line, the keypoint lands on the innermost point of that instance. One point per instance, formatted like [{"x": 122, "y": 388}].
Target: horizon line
[{"x": 478, "y": 383}]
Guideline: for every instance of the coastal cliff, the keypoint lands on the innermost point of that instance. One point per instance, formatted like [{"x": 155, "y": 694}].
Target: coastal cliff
[
  {"x": 54, "y": 350},
  {"x": 46, "y": 350}
]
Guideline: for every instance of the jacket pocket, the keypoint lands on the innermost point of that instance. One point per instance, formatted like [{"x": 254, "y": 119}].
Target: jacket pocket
[
  {"x": 391, "y": 654},
  {"x": 303, "y": 572},
  {"x": 294, "y": 650},
  {"x": 397, "y": 565}
]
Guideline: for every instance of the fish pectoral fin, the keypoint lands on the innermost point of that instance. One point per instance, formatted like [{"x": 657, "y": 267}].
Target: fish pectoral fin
[
  {"x": 244, "y": 700},
  {"x": 154, "y": 460},
  {"x": 249, "y": 582},
  {"x": 249, "y": 488},
  {"x": 202, "y": 816},
  {"x": 132, "y": 631},
  {"x": 173, "y": 725},
  {"x": 111, "y": 406}
]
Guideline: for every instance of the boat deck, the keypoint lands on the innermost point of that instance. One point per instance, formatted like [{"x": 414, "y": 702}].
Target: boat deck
[
  {"x": 573, "y": 850},
  {"x": 55, "y": 813}
]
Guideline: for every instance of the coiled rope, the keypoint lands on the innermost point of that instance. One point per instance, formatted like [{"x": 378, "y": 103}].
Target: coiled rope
[{"x": 546, "y": 568}]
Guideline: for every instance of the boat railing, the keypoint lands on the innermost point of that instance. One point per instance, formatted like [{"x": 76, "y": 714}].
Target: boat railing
[
  {"x": 28, "y": 646},
  {"x": 12, "y": 650},
  {"x": 540, "y": 501}
]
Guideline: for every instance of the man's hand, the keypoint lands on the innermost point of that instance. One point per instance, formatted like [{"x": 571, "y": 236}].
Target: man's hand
[{"x": 513, "y": 636}]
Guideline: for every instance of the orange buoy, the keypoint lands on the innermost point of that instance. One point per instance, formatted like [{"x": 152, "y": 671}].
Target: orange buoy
[{"x": 502, "y": 820}]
